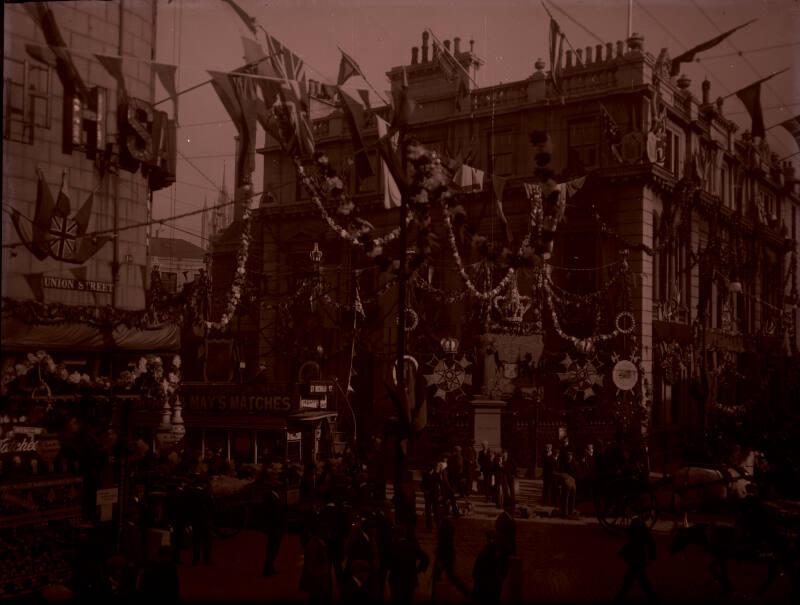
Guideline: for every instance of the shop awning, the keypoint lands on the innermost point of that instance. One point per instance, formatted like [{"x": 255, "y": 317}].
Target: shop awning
[
  {"x": 19, "y": 336},
  {"x": 311, "y": 416}
]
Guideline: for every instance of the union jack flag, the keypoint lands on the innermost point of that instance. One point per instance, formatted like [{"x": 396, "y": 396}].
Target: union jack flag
[{"x": 63, "y": 237}]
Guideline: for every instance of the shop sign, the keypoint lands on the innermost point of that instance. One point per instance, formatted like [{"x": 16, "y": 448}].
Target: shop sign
[
  {"x": 23, "y": 440},
  {"x": 314, "y": 404},
  {"x": 66, "y": 283},
  {"x": 294, "y": 436},
  {"x": 106, "y": 499},
  {"x": 202, "y": 398},
  {"x": 625, "y": 375},
  {"x": 319, "y": 389}
]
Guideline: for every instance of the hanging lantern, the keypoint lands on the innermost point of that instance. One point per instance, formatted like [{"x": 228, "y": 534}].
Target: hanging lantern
[{"x": 449, "y": 345}]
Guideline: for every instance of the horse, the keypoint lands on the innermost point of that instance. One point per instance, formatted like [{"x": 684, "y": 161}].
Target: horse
[
  {"x": 698, "y": 487},
  {"x": 725, "y": 543}
]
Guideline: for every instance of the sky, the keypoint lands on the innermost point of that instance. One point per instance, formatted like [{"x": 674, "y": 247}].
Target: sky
[{"x": 509, "y": 36}]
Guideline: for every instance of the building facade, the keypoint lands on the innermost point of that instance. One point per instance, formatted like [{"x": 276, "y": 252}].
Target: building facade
[
  {"x": 701, "y": 219},
  {"x": 83, "y": 149}
]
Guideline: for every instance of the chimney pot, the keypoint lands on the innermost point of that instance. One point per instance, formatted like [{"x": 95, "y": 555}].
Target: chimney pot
[
  {"x": 579, "y": 56},
  {"x": 598, "y": 53},
  {"x": 569, "y": 59},
  {"x": 425, "y": 36},
  {"x": 609, "y": 51},
  {"x": 540, "y": 64},
  {"x": 447, "y": 44},
  {"x": 472, "y": 46},
  {"x": 620, "y": 48},
  {"x": 706, "y": 86},
  {"x": 414, "y": 55},
  {"x": 588, "y": 55},
  {"x": 456, "y": 45}
]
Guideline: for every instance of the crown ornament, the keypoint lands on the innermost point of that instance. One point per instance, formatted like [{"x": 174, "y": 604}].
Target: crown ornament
[{"x": 512, "y": 306}]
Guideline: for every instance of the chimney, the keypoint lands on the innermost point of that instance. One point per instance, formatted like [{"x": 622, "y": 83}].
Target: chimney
[
  {"x": 579, "y": 56},
  {"x": 447, "y": 44},
  {"x": 588, "y": 55},
  {"x": 598, "y": 53},
  {"x": 472, "y": 46},
  {"x": 425, "y": 47},
  {"x": 706, "y": 86},
  {"x": 569, "y": 59},
  {"x": 620, "y": 48},
  {"x": 609, "y": 51},
  {"x": 414, "y": 55},
  {"x": 456, "y": 45}
]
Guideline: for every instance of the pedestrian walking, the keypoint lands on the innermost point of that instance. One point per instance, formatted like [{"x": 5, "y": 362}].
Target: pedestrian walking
[
  {"x": 506, "y": 531},
  {"x": 445, "y": 559},
  {"x": 486, "y": 465},
  {"x": 430, "y": 492},
  {"x": 549, "y": 467},
  {"x": 406, "y": 561},
  {"x": 316, "y": 579},
  {"x": 200, "y": 517},
  {"x": 447, "y": 493},
  {"x": 510, "y": 477},
  {"x": 637, "y": 553},
  {"x": 455, "y": 471},
  {"x": 471, "y": 469},
  {"x": 274, "y": 527},
  {"x": 499, "y": 480},
  {"x": 567, "y": 474},
  {"x": 489, "y": 572}
]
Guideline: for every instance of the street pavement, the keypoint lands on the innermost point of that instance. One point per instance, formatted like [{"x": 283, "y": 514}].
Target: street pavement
[{"x": 562, "y": 561}]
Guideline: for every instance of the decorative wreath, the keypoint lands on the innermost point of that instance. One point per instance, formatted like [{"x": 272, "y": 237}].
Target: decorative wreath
[
  {"x": 626, "y": 317},
  {"x": 412, "y": 320}
]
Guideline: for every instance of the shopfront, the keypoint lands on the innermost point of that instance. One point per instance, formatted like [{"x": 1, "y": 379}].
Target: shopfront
[{"x": 248, "y": 424}]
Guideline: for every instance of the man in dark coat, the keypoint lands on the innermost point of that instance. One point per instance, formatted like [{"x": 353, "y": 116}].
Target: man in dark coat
[
  {"x": 489, "y": 572},
  {"x": 445, "y": 560},
  {"x": 637, "y": 552},
  {"x": 430, "y": 491},
  {"x": 486, "y": 464},
  {"x": 406, "y": 561},
  {"x": 549, "y": 467},
  {"x": 455, "y": 471},
  {"x": 274, "y": 527},
  {"x": 448, "y": 492},
  {"x": 567, "y": 474},
  {"x": 200, "y": 516},
  {"x": 500, "y": 479},
  {"x": 510, "y": 472}
]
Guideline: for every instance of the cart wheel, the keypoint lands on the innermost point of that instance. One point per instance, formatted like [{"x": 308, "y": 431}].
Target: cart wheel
[
  {"x": 230, "y": 520},
  {"x": 620, "y": 502}
]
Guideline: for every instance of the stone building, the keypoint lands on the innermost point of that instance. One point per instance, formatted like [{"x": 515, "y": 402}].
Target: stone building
[
  {"x": 703, "y": 217},
  {"x": 79, "y": 127}
]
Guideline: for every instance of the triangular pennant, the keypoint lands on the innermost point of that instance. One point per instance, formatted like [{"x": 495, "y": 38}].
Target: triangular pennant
[
  {"x": 249, "y": 21},
  {"x": 792, "y": 126},
  {"x": 391, "y": 191},
  {"x": 113, "y": 65},
  {"x": 347, "y": 68},
  {"x": 34, "y": 281},
  {"x": 26, "y": 235},
  {"x": 354, "y": 113},
  {"x": 42, "y": 54},
  {"x": 689, "y": 55},
  {"x": 84, "y": 214},
  {"x": 404, "y": 105},
  {"x": 88, "y": 247},
  {"x": 751, "y": 98},
  {"x": 166, "y": 75}
]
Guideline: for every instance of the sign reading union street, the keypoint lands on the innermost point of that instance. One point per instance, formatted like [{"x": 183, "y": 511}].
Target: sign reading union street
[
  {"x": 204, "y": 398},
  {"x": 66, "y": 283}
]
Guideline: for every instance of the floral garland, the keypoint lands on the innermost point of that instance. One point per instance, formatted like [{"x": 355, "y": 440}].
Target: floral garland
[
  {"x": 569, "y": 298},
  {"x": 38, "y": 371},
  {"x": 438, "y": 293},
  {"x": 332, "y": 186},
  {"x": 240, "y": 275}
]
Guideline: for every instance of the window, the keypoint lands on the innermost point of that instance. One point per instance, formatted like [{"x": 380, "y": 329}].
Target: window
[
  {"x": 673, "y": 153},
  {"x": 582, "y": 143},
  {"x": 501, "y": 153},
  {"x": 724, "y": 188},
  {"x": 26, "y": 93}
]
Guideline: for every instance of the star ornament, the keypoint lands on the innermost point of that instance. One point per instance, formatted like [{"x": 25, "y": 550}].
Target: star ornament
[
  {"x": 581, "y": 377},
  {"x": 449, "y": 376}
]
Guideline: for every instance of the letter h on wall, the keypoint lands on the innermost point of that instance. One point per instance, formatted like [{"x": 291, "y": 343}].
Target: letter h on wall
[{"x": 85, "y": 121}]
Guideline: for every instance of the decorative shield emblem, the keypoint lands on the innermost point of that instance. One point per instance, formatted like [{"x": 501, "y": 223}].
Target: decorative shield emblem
[{"x": 632, "y": 147}]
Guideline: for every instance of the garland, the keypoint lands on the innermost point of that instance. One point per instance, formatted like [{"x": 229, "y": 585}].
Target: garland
[
  {"x": 240, "y": 275},
  {"x": 438, "y": 293},
  {"x": 332, "y": 186}
]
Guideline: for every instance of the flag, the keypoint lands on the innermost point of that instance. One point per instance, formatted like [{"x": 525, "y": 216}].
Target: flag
[
  {"x": 249, "y": 21},
  {"x": 556, "y": 52},
  {"x": 302, "y": 134},
  {"x": 88, "y": 247},
  {"x": 166, "y": 75},
  {"x": 469, "y": 178},
  {"x": 391, "y": 192},
  {"x": 610, "y": 128},
  {"x": 404, "y": 105},
  {"x": 499, "y": 186},
  {"x": 237, "y": 94},
  {"x": 68, "y": 74},
  {"x": 36, "y": 240},
  {"x": 689, "y": 55},
  {"x": 391, "y": 162},
  {"x": 355, "y": 114},
  {"x": 446, "y": 62},
  {"x": 792, "y": 126},
  {"x": 113, "y": 65},
  {"x": 287, "y": 64},
  {"x": 34, "y": 281},
  {"x": 347, "y": 69},
  {"x": 751, "y": 98},
  {"x": 42, "y": 54},
  {"x": 84, "y": 214}
]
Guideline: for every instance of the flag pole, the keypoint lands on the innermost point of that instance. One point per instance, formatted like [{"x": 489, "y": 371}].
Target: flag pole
[
  {"x": 630, "y": 18},
  {"x": 549, "y": 14},
  {"x": 444, "y": 48},
  {"x": 791, "y": 155}
]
